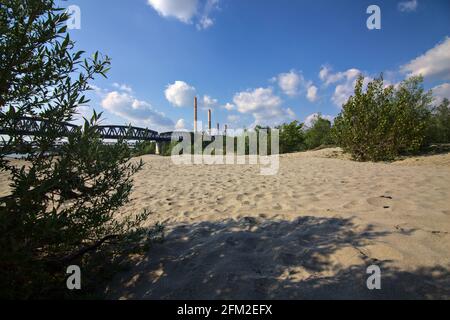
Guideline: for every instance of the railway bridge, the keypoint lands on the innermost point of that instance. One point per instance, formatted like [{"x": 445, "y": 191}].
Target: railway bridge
[{"x": 35, "y": 126}]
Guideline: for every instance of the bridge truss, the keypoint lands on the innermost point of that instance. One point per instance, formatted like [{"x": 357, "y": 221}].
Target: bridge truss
[{"x": 34, "y": 126}]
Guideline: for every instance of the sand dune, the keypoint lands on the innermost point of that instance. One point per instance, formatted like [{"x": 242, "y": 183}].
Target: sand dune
[{"x": 308, "y": 232}]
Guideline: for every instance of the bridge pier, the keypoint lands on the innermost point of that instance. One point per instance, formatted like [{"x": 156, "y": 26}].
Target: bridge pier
[{"x": 158, "y": 148}]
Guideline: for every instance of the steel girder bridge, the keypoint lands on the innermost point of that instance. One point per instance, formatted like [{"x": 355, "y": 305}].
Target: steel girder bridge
[{"x": 34, "y": 126}]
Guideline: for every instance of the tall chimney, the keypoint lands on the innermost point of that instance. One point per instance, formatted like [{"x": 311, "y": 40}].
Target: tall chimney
[
  {"x": 226, "y": 128},
  {"x": 209, "y": 120},
  {"x": 195, "y": 115},
  {"x": 218, "y": 128}
]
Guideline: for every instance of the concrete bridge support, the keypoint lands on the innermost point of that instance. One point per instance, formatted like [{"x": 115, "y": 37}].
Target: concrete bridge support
[{"x": 158, "y": 148}]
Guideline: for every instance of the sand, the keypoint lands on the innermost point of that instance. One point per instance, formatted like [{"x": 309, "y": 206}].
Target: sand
[{"x": 308, "y": 232}]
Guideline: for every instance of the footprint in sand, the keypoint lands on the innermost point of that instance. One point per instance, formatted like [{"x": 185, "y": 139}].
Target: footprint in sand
[
  {"x": 350, "y": 205},
  {"x": 381, "y": 202},
  {"x": 277, "y": 206}
]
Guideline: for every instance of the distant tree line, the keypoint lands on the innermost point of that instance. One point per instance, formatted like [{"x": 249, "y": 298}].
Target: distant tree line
[
  {"x": 377, "y": 123},
  {"x": 293, "y": 137}
]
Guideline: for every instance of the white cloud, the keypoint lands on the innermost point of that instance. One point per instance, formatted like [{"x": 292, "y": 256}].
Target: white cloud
[
  {"x": 323, "y": 73},
  {"x": 312, "y": 93},
  {"x": 136, "y": 111},
  {"x": 123, "y": 87},
  {"x": 342, "y": 93},
  {"x": 346, "y": 89},
  {"x": 205, "y": 23},
  {"x": 256, "y": 100},
  {"x": 293, "y": 83},
  {"x": 435, "y": 63},
  {"x": 208, "y": 102},
  {"x": 180, "y": 125},
  {"x": 187, "y": 11},
  {"x": 264, "y": 105},
  {"x": 229, "y": 106},
  {"x": 205, "y": 20},
  {"x": 83, "y": 112},
  {"x": 441, "y": 91},
  {"x": 345, "y": 83},
  {"x": 328, "y": 77},
  {"x": 99, "y": 91},
  {"x": 309, "y": 121},
  {"x": 290, "y": 82},
  {"x": 183, "y": 10},
  {"x": 180, "y": 94},
  {"x": 408, "y": 6},
  {"x": 290, "y": 113}
]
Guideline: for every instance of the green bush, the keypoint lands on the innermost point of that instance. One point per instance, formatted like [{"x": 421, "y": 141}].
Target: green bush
[
  {"x": 63, "y": 204},
  {"x": 167, "y": 148},
  {"x": 319, "y": 134},
  {"x": 292, "y": 137},
  {"x": 143, "y": 148},
  {"x": 383, "y": 122},
  {"x": 439, "y": 128}
]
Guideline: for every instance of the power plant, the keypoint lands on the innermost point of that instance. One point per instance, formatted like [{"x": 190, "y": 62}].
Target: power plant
[
  {"x": 195, "y": 115},
  {"x": 209, "y": 120}
]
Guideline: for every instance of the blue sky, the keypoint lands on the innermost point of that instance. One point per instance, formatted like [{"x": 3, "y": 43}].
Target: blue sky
[{"x": 254, "y": 61}]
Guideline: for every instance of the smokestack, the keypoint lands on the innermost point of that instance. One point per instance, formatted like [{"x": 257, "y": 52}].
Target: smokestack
[
  {"x": 195, "y": 115},
  {"x": 226, "y": 128},
  {"x": 218, "y": 128},
  {"x": 209, "y": 120}
]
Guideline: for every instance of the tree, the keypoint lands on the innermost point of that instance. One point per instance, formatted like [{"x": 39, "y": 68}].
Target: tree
[
  {"x": 143, "y": 148},
  {"x": 319, "y": 134},
  {"x": 383, "y": 122},
  {"x": 292, "y": 137},
  {"x": 439, "y": 129},
  {"x": 63, "y": 202}
]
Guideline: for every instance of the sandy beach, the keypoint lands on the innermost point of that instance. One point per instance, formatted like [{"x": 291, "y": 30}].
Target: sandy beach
[{"x": 308, "y": 232}]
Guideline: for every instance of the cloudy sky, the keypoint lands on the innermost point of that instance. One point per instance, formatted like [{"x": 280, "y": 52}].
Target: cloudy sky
[{"x": 254, "y": 62}]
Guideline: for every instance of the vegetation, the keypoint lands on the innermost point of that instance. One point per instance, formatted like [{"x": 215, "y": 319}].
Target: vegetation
[
  {"x": 319, "y": 134},
  {"x": 378, "y": 123},
  {"x": 167, "y": 148},
  {"x": 439, "y": 127},
  {"x": 292, "y": 137},
  {"x": 62, "y": 204},
  {"x": 383, "y": 122},
  {"x": 143, "y": 148}
]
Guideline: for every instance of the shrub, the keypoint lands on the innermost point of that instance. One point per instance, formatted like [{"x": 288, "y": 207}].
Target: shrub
[
  {"x": 143, "y": 148},
  {"x": 319, "y": 134},
  {"x": 383, "y": 121},
  {"x": 292, "y": 137},
  {"x": 62, "y": 205},
  {"x": 439, "y": 128},
  {"x": 167, "y": 148}
]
